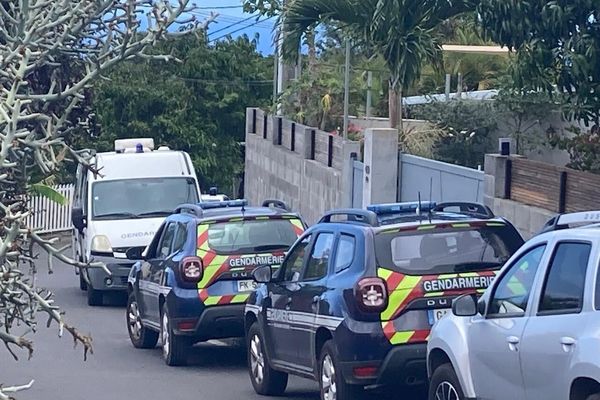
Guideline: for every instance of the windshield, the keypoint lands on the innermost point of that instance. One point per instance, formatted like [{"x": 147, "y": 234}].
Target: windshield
[
  {"x": 447, "y": 250},
  {"x": 252, "y": 236},
  {"x": 141, "y": 198}
]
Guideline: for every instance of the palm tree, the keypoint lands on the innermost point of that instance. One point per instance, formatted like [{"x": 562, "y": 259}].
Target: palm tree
[{"x": 403, "y": 32}]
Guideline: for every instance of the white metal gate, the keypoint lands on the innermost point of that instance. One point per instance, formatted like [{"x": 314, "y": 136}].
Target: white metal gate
[
  {"x": 358, "y": 175},
  {"x": 48, "y": 216}
]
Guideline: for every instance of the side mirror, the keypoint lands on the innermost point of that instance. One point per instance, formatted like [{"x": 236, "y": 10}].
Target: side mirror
[
  {"x": 481, "y": 306},
  {"x": 465, "y": 306},
  {"x": 78, "y": 218},
  {"x": 263, "y": 274},
  {"x": 213, "y": 191},
  {"x": 135, "y": 253}
]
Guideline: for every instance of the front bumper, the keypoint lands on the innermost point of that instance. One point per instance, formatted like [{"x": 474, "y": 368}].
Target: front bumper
[
  {"x": 117, "y": 281},
  {"x": 404, "y": 365}
]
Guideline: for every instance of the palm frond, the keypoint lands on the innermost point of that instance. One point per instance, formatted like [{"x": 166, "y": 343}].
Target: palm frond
[{"x": 42, "y": 190}]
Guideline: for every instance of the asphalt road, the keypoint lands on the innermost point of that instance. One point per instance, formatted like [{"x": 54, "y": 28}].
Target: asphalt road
[{"x": 116, "y": 370}]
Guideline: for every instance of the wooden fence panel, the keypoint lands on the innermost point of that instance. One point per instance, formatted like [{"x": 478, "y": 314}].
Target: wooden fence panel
[
  {"x": 535, "y": 183},
  {"x": 48, "y": 216}
]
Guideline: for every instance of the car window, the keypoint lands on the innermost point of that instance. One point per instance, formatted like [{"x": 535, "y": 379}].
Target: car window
[
  {"x": 442, "y": 250},
  {"x": 292, "y": 266},
  {"x": 164, "y": 248},
  {"x": 512, "y": 293},
  {"x": 345, "y": 252},
  {"x": 180, "y": 238},
  {"x": 565, "y": 279},
  {"x": 252, "y": 235},
  {"x": 319, "y": 257}
]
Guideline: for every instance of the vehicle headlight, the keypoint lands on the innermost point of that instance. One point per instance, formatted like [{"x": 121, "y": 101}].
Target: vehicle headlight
[{"x": 101, "y": 244}]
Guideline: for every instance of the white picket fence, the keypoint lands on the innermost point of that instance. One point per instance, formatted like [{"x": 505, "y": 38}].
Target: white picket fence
[{"x": 48, "y": 216}]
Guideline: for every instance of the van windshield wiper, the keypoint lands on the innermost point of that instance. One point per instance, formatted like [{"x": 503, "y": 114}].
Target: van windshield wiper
[
  {"x": 119, "y": 215},
  {"x": 159, "y": 213},
  {"x": 476, "y": 266}
]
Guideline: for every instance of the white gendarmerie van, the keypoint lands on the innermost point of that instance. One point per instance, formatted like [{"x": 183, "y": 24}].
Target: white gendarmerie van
[{"x": 121, "y": 203}]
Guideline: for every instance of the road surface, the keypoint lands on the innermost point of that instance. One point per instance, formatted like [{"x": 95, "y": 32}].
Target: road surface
[{"x": 118, "y": 371}]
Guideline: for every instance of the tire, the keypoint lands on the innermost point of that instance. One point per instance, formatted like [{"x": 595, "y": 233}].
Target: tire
[
  {"x": 94, "y": 297},
  {"x": 265, "y": 380},
  {"x": 82, "y": 283},
  {"x": 332, "y": 384},
  {"x": 140, "y": 336},
  {"x": 175, "y": 348},
  {"x": 445, "y": 383},
  {"x": 595, "y": 396}
]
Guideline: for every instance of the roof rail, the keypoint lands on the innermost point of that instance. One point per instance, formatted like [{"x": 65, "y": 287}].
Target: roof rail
[
  {"x": 564, "y": 221},
  {"x": 466, "y": 208},
  {"x": 276, "y": 204},
  {"x": 352, "y": 215},
  {"x": 193, "y": 209}
]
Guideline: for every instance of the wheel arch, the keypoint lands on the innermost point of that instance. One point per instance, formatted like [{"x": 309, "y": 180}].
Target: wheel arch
[
  {"x": 322, "y": 335},
  {"x": 583, "y": 387}
]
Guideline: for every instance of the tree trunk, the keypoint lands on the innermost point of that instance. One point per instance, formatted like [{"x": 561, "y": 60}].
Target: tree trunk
[
  {"x": 396, "y": 108},
  {"x": 393, "y": 106},
  {"x": 312, "y": 52}
]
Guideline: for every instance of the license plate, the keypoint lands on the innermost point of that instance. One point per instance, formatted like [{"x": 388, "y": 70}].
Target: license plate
[
  {"x": 246, "y": 286},
  {"x": 436, "y": 315}
]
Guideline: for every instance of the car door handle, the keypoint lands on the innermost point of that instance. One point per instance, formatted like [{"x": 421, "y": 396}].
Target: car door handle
[
  {"x": 288, "y": 304},
  {"x": 513, "y": 341},
  {"x": 567, "y": 343}
]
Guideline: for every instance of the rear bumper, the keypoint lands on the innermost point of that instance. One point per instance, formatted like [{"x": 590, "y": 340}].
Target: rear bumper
[
  {"x": 117, "y": 281},
  {"x": 193, "y": 319},
  {"x": 404, "y": 365}
]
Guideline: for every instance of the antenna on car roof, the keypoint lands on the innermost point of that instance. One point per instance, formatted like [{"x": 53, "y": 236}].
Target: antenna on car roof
[
  {"x": 419, "y": 208},
  {"x": 430, "y": 198}
]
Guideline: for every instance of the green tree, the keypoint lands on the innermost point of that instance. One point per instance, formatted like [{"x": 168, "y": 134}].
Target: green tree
[
  {"x": 198, "y": 105},
  {"x": 403, "y": 32},
  {"x": 466, "y": 126},
  {"x": 557, "y": 45}
]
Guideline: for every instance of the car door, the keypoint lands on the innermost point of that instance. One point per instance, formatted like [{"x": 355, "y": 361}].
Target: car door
[
  {"x": 170, "y": 256},
  {"x": 281, "y": 325},
  {"x": 494, "y": 339},
  {"x": 551, "y": 334},
  {"x": 306, "y": 300},
  {"x": 153, "y": 269}
]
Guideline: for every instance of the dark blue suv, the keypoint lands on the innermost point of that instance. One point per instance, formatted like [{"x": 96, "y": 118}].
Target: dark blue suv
[
  {"x": 355, "y": 299},
  {"x": 193, "y": 279}
]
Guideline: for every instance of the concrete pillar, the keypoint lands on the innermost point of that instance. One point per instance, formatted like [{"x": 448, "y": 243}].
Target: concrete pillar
[
  {"x": 350, "y": 152},
  {"x": 381, "y": 166},
  {"x": 309, "y": 143}
]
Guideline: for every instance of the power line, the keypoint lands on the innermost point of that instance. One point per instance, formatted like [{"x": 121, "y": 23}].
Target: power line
[
  {"x": 218, "y": 7},
  {"x": 232, "y": 25},
  {"x": 230, "y": 19},
  {"x": 238, "y": 30}
]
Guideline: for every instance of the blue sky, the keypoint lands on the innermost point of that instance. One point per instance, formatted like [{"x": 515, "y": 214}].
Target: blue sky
[{"x": 230, "y": 20}]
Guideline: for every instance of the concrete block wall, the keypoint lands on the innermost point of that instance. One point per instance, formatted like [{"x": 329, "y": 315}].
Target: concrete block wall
[
  {"x": 527, "y": 219},
  {"x": 286, "y": 171}
]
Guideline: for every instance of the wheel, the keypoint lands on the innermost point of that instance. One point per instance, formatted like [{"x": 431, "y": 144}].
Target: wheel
[
  {"x": 82, "y": 283},
  {"x": 140, "y": 336},
  {"x": 265, "y": 380},
  {"x": 94, "y": 297},
  {"x": 331, "y": 381},
  {"x": 445, "y": 385},
  {"x": 175, "y": 348}
]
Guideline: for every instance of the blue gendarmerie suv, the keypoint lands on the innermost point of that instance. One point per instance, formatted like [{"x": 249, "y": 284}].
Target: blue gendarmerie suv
[
  {"x": 354, "y": 301},
  {"x": 192, "y": 281}
]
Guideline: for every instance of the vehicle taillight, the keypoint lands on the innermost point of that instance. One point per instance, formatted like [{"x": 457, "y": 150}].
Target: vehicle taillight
[
  {"x": 191, "y": 269},
  {"x": 372, "y": 294}
]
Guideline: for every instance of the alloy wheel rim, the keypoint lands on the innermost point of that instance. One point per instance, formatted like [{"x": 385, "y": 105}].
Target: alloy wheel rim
[
  {"x": 328, "y": 379},
  {"x": 135, "y": 320},
  {"x": 165, "y": 335},
  {"x": 257, "y": 360},
  {"x": 446, "y": 391}
]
